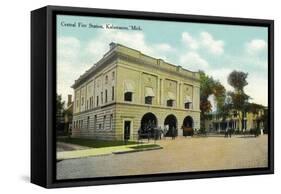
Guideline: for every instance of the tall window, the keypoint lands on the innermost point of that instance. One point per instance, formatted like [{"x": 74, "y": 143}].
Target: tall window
[
  {"x": 104, "y": 118},
  {"x": 105, "y": 96},
  {"x": 101, "y": 97},
  {"x": 110, "y": 122},
  {"x": 82, "y": 101},
  {"x": 106, "y": 79},
  {"x": 113, "y": 75},
  {"x": 112, "y": 92},
  {"x": 148, "y": 100},
  {"x": 88, "y": 122},
  {"x": 170, "y": 103},
  {"x": 95, "y": 122},
  {"x": 128, "y": 96},
  {"x": 97, "y": 100}
]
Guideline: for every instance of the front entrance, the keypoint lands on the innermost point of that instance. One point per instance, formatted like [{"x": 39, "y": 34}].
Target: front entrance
[
  {"x": 170, "y": 126},
  {"x": 187, "y": 126},
  {"x": 127, "y": 130},
  {"x": 148, "y": 124}
]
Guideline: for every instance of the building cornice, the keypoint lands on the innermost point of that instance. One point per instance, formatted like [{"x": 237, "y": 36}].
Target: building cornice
[{"x": 116, "y": 53}]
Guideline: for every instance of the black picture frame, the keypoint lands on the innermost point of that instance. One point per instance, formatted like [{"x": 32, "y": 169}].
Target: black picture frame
[{"x": 43, "y": 90}]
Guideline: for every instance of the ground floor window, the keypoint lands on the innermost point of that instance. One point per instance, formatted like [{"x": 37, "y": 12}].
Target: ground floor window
[{"x": 111, "y": 120}]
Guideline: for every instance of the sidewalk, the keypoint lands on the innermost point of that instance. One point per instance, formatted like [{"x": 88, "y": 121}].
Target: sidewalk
[{"x": 98, "y": 151}]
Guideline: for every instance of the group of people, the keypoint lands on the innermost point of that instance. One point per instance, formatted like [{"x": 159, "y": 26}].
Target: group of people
[{"x": 151, "y": 131}]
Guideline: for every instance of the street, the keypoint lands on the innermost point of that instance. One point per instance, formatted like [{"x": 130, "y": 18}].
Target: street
[{"x": 179, "y": 155}]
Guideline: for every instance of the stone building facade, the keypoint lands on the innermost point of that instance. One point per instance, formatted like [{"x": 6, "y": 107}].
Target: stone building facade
[{"x": 127, "y": 90}]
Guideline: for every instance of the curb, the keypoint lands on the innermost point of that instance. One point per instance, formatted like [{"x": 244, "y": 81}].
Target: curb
[{"x": 136, "y": 150}]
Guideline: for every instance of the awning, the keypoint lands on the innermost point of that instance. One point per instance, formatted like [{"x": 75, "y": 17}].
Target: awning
[
  {"x": 129, "y": 87},
  {"x": 188, "y": 99},
  {"x": 149, "y": 92},
  {"x": 171, "y": 96}
]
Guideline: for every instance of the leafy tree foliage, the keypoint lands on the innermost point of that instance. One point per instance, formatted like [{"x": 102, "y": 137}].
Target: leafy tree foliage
[
  {"x": 208, "y": 87},
  {"x": 238, "y": 80}
]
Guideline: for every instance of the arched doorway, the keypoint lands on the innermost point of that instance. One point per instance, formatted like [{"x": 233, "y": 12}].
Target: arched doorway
[
  {"x": 187, "y": 126},
  {"x": 148, "y": 123},
  {"x": 170, "y": 124}
]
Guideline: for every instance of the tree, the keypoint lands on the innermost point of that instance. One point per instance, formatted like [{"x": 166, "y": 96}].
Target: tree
[
  {"x": 238, "y": 80},
  {"x": 208, "y": 87},
  {"x": 59, "y": 112},
  {"x": 239, "y": 99}
]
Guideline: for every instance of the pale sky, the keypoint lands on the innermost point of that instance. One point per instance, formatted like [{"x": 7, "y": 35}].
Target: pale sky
[{"x": 215, "y": 49}]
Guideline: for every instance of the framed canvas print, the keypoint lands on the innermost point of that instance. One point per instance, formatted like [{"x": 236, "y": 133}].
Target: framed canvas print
[{"x": 126, "y": 96}]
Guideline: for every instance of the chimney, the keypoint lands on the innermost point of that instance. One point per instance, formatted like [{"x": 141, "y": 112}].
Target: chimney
[{"x": 69, "y": 99}]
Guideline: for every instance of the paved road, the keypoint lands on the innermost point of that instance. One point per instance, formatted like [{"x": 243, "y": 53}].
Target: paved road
[{"x": 180, "y": 155}]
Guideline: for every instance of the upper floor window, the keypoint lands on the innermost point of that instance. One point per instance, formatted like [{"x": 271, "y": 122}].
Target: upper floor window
[
  {"x": 112, "y": 93},
  {"x": 82, "y": 101},
  {"x": 128, "y": 91},
  {"x": 170, "y": 103},
  {"x": 97, "y": 100},
  {"x": 106, "y": 79},
  {"x": 187, "y": 105},
  {"x": 149, "y": 94},
  {"x": 105, "y": 96},
  {"x": 187, "y": 102},
  {"x": 171, "y": 99},
  {"x": 148, "y": 100},
  {"x": 101, "y": 97},
  {"x": 113, "y": 75},
  {"x": 128, "y": 96}
]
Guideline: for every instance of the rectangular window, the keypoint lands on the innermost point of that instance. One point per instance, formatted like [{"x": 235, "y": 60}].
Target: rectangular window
[
  {"x": 106, "y": 79},
  {"x": 110, "y": 122},
  {"x": 170, "y": 103},
  {"x": 97, "y": 100},
  {"x": 187, "y": 105},
  {"x": 128, "y": 96},
  {"x": 112, "y": 97},
  {"x": 95, "y": 122},
  {"x": 148, "y": 100},
  {"x": 101, "y": 97},
  {"x": 105, "y": 96},
  {"x": 113, "y": 75},
  {"x": 104, "y": 118},
  {"x": 88, "y": 122}
]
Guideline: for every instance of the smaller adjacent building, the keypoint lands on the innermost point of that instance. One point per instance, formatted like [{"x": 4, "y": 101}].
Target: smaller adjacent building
[{"x": 237, "y": 121}]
